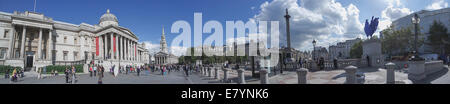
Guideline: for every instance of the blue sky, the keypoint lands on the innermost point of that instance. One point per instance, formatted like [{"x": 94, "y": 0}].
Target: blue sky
[{"x": 146, "y": 17}]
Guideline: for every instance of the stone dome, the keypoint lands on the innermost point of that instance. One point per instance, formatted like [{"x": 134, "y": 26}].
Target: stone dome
[{"x": 108, "y": 19}]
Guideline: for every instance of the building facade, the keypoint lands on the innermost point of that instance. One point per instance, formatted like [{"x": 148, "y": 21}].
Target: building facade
[
  {"x": 426, "y": 20},
  {"x": 31, "y": 40},
  {"x": 163, "y": 57},
  {"x": 342, "y": 49}
]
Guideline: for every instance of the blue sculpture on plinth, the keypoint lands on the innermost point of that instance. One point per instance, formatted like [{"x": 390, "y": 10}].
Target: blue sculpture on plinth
[{"x": 370, "y": 28}]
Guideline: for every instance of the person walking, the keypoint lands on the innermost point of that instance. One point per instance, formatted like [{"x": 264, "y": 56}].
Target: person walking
[
  {"x": 73, "y": 75},
  {"x": 103, "y": 71},
  {"x": 186, "y": 70},
  {"x": 7, "y": 73},
  {"x": 14, "y": 75},
  {"x": 138, "y": 71},
  {"x": 66, "y": 72},
  {"x": 90, "y": 71},
  {"x": 39, "y": 71},
  {"x": 100, "y": 76}
]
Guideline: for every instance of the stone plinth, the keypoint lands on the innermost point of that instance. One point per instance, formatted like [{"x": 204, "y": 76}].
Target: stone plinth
[{"x": 372, "y": 53}]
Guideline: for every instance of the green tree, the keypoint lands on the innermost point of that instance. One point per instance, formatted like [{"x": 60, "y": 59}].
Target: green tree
[
  {"x": 438, "y": 38},
  {"x": 398, "y": 42},
  {"x": 356, "y": 50}
]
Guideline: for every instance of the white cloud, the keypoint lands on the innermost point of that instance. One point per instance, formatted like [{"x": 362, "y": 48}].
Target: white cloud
[
  {"x": 178, "y": 50},
  {"x": 152, "y": 48},
  {"x": 323, "y": 20},
  {"x": 437, "y": 4},
  {"x": 393, "y": 11}
]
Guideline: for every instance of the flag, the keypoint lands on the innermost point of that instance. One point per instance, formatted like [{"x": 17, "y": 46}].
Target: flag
[
  {"x": 96, "y": 46},
  {"x": 135, "y": 50},
  {"x": 114, "y": 42}
]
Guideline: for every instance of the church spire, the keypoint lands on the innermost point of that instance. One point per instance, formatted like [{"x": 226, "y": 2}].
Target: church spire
[{"x": 163, "y": 42}]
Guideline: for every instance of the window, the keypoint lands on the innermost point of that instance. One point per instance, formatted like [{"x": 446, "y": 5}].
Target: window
[
  {"x": 2, "y": 53},
  {"x": 65, "y": 55},
  {"x": 65, "y": 39},
  {"x": 6, "y": 34},
  {"x": 75, "y": 55},
  {"x": 75, "y": 40}
]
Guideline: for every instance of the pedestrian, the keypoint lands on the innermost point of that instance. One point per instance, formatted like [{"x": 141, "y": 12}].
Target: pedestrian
[
  {"x": 66, "y": 72},
  {"x": 90, "y": 71},
  {"x": 73, "y": 74},
  {"x": 138, "y": 71},
  {"x": 100, "y": 76},
  {"x": 7, "y": 73},
  {"x": 126, "y": 69},
  {"x": 448, "y": 60},
  {"x": 103, "y": 71},
  {"x": 14, "y": 75},
  {"x": 186, "y": 70},
  {"x": 45, "y": 70},
  {"x": 39, "y": 71},
  {"x": 95, "y": 70}
]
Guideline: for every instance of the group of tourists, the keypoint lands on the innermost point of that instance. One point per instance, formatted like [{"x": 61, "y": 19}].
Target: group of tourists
[
  {"x": 97, "y": 70},
  {"x": 70, "y": 74},
  {"x": 15, "y": 75}
]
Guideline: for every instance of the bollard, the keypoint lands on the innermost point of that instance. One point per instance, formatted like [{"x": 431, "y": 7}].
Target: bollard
[
  {"x": 264, "y": 76},
  {"x": 301, "y": 75},
  {"x": 225, "y": 74},
  {"x": 209, "y": 71},
  {"x": 351, "y": 74},
  {"x": 201, "y": 70},
  {"x": 390, "y": 74},
  {"x": 216, "y": 73},
  {"x": 241, "y": 76},
  {"x": 205, "y": 71}
]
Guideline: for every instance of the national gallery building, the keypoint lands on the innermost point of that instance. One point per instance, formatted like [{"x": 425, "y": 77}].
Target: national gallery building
[{"x": 30, "y": 40}]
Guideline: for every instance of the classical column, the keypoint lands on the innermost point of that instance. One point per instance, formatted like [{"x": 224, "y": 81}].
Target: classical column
[
  {"x": 121, "y": 47},
  {"x": 22, "y": 46},
  {"x": 111, "y": 48},
  {"x": 107, "y": 51},
  {"x": 100, "y": 46},
  {"x": 49, "y": 45},
  {"x": 39, "y": 51},
  {"x": 129, "y": 49},
  {"x": 124, "y": 49},
  {"x": 11, "y": 41},
  {"x": 117, "y": 47},
  {"x": 133, "y": 56}
]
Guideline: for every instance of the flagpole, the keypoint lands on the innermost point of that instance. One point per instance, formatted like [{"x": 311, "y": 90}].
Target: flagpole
[{"x": 34, "y": 10}]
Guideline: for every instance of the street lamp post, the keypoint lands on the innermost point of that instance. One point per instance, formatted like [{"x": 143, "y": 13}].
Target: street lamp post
[{"x": 416, "y": 20}]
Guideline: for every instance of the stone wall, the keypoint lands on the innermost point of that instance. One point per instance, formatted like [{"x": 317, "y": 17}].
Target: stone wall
[{"x": 433, "y": 66}]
